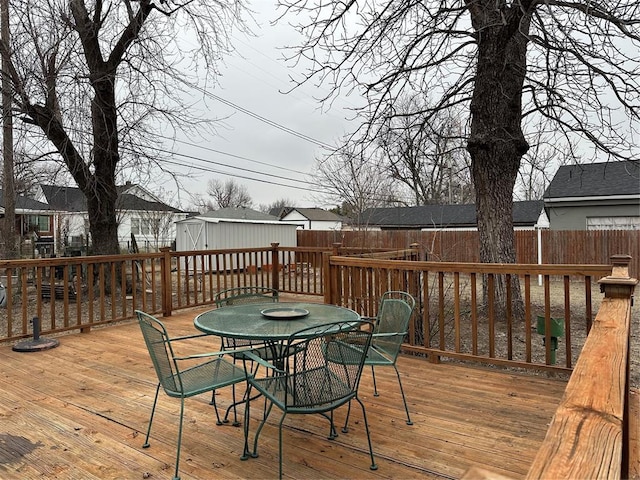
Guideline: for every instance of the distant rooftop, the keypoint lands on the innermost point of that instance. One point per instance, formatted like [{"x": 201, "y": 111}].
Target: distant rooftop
[
  {"x": 595, "y": 180},
  {"x": 445, "y": 216}
]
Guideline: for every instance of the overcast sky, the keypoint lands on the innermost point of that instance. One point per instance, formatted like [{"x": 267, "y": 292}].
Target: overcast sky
[{"x": 261, "y": 134}]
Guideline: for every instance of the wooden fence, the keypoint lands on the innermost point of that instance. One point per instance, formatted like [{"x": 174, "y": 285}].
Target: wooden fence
[{"x": 558, "y": 247}]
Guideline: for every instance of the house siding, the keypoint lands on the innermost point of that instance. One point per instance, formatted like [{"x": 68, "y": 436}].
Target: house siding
[{"x": 574, "y": 217}]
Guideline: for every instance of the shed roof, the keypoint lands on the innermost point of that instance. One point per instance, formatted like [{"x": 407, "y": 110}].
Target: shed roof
[
  {"x": 445, "y": 216},
  {"x": 595, "y": 180},
  {"x": 239, "y": 214}
]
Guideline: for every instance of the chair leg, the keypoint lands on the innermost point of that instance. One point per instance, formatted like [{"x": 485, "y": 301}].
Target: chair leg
[
  {"x": 153, "y": 411},
  {"x": 215, "y": 407},
  {"x": 366, "y": 426},
  {"x": 264, "y": 420},
  {"x": 406, "y": 407},
  {"x": 375, "y": 387},
  {"x": 176, "y": 477},
  {"x": 247, "y": 416},
  {"x": 233, "y": 406},
  {"x": 284, "y": 414},
  {"x": 345, "y": 429}
]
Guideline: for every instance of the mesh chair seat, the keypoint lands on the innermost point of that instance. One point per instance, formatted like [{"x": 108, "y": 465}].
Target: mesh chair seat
[
  {"x": 196, "y": 380},
  {"x": 314, "y": 391}
]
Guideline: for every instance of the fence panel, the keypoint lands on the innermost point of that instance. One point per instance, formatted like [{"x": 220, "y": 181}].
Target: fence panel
[{"x": 558, "y": 246}]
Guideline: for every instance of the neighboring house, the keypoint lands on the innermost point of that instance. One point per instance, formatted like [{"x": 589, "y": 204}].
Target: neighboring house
[
  {"x": 527, "y": 215},
  {"x": 34, "y": 221},
  {"x": 596, "y": 196},
  {"x": 312, "y": 218},
  {"x": 139, "y": 213}
]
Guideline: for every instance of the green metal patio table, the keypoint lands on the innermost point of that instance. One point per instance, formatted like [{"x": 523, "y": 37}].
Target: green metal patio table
[{"x": 248, "y": 321}]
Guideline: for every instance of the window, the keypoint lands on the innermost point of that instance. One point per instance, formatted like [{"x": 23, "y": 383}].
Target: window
[
  {"x": 39, "y": 223},
  {"x": 613, "y": 223},
  {"x": 140, "y": 226}
]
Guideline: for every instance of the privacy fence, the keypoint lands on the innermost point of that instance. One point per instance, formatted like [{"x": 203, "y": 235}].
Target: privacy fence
[{"x": 556, "y": 246}]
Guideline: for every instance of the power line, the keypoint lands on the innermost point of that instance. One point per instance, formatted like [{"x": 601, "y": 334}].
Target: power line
[
  {"x": 240, "y": 157},
  {"x": 265, "y": 120}
]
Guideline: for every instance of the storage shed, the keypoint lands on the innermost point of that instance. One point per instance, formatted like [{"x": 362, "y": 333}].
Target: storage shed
[{"x": 233, "y": 228}]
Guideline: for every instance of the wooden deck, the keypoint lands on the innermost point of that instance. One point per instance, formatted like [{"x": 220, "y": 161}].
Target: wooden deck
[{"x": 80, "y": 411}]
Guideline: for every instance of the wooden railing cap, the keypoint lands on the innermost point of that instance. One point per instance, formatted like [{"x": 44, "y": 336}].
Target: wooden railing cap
[{"x": 619, "y": 275}]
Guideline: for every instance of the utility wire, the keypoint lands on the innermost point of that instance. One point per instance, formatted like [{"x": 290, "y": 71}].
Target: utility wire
[{"x": 240, "y": 157}]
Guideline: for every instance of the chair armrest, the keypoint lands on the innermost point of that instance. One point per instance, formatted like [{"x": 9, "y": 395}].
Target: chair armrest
[
  {"x": 249, "y": 355},
  {"x": 216, "y": 354},
  {"x": 188, "y": 337},
  {"x": 388, "y": 334}
]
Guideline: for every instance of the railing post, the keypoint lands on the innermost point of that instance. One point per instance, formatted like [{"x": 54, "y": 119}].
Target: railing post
[
  {"x": 333, "y": 277},
  {"x": 416, "y": 254},
  {"x": 620, "y": 286},
  {"x": 275, "y": 266},
  {"x": 167, "y": 288}
]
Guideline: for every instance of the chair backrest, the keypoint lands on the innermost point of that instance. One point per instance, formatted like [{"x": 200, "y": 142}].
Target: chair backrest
[
  {"x": 393, "y": 316},
  {"x": 244, "y": 295},
  {"x": 325, "y": 364},
  {"x": 159, "y": 346}
]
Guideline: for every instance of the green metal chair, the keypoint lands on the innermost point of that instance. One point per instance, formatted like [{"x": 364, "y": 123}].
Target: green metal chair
[
  {"x": 390, "y": 327},
  {"x": 212, "y": 371},
  {"x": 321, "y": 372},
  {"x": 241, "y": 296}
]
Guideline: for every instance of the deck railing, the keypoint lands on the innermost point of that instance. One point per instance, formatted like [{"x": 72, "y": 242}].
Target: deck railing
[
  {"x": 589, "y": 434},
  {"x": 71, "y": 293},
  {"x": 459, "y": 314},
  {"x": 457, "y": 317}
]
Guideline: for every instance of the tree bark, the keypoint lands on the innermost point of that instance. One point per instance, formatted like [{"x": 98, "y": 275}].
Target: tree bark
[
  {"x": 496, "y": 142},
  {"x": 8, "y": 187}
]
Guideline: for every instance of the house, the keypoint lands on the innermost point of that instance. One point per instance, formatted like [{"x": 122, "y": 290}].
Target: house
[
  {"x": 596, "y": 196},
  {"x": 311, "y": 218},
  {"x": 34, "y": 222},
  {"x": 234, "y": 228},
  {"x": 140, "y": 215},
  {"x": 527, "y": 215}
]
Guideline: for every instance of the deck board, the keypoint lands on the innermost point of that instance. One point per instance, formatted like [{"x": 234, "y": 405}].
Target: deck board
[{"x": 80, "y": 411}]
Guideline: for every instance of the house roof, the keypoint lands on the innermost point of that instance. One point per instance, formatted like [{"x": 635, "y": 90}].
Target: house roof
[
  {"x": 315, "y": 214},
  {"x": 71, "y": 199},
  {"x": 25, "y": 203},
  {"x": 445, "y": 216},
  {"x": 595, "y": 180},
  {"x": 239, "y": 214}
]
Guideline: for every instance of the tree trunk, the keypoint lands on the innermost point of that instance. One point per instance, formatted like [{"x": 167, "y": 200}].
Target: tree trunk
[
  {"x": 496, "y": 142},
  {"x": 9, "y": 221}
]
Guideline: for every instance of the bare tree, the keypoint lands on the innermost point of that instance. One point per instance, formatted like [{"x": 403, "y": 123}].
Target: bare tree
[
  {"x": 353, "y": 179},
  {"x": 229, "y": 194},
  {"x": 430, "y": 159},
  {"x": 277, "y": 205},
  {"x": 574, "y": 65},
  {"x": 95, "y": 79},
  {"x": 537, "y": 169}
]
